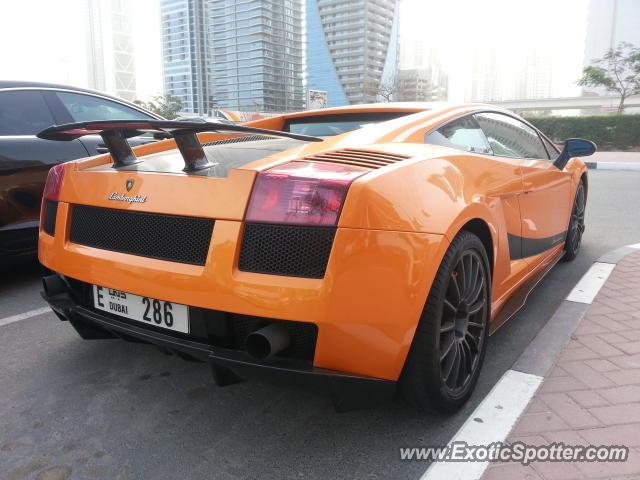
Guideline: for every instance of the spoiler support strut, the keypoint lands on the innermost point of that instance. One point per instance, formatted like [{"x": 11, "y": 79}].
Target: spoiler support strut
[
  {"x": 191, "y": 149},
  {"x": 116, "y": 142}
]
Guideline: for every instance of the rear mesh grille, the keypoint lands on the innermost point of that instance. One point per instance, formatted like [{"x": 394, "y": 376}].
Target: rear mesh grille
[
  {"x": 49, "y": 218},
  {"x": 153, "y": 235},
  {"x": 290, "y": 250},
  {"x": 361, "y": 158}
]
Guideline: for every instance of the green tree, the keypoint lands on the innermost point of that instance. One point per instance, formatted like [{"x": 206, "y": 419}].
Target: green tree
[
  {"x": 167, "y": 106},
  {"x": 618, "y": 71}
]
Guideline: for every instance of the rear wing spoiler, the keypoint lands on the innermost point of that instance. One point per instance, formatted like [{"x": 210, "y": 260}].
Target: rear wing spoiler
[{"x": 115, "y": 134}]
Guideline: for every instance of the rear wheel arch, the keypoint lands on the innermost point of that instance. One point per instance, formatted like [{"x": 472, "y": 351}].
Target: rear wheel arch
[{"x": 480, "y": 229}]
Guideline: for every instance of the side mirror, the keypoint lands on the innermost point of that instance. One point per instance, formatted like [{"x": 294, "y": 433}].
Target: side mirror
[{"x": 574, "y": 147}]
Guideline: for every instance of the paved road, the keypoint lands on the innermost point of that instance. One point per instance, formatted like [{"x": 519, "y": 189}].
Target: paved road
[{"x": 109, "y": 409}]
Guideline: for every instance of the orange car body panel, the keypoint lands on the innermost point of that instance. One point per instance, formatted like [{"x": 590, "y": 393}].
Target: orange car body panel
[{"x": 395, "y": 227}]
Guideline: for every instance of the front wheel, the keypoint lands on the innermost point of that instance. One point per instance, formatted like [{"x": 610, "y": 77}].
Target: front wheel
[
  {"x": 576, "y": 225},
  {"x": 448, "y": 348}
]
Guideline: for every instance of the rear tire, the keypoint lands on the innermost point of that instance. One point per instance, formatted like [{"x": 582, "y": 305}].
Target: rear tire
[
  {"x": 448, "y": 348},
  {"x": 576, "y": 225}
]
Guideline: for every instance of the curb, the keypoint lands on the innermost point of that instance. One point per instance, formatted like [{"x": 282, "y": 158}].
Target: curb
[
  {"x": 629, "y": 166},
  {"x": 500, "y": 410}
]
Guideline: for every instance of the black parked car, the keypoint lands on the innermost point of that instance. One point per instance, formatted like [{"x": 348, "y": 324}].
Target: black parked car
[{"x": 25, "y": 109}]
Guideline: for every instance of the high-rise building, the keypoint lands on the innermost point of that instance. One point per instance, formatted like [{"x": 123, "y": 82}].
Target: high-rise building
[
  {"x": 185, "y": 52},
  {"x": 420, "y": 85},
  {"x": 237, "y": 55},
  {"x": 352, "y": 48},
  {"x": 258, "y": 54},
  {"x": 110, "y": 60},
  {"x": 538, "y": 73},
  {"x": 421, "y": 73},
  {"x": 610, "y": 22}
]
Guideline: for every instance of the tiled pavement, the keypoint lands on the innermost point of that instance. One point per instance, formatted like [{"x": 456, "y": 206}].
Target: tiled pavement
[{"x": 592, "y": 396}]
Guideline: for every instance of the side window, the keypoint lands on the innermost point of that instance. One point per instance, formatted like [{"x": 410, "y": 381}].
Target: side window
[
  {"x": 509, "y": 137},
  {"x": 551, "y": 148},
  {"x": 84, "y": 108},
  {"x": 23, "y": 112},
  {"x": 463, "y": 133}
]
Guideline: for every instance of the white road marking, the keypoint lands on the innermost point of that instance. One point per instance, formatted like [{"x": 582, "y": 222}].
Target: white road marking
[
  {"x": 24, "y": 316},
  {"x": 635, "y": 245},
  {"x": 490, "y": 422},
  {"x": 591, "y": 282}
]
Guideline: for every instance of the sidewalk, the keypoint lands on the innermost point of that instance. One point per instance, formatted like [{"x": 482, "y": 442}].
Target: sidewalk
[
  {"x": 616, "y": 157},
  {"x": 614, "y": 161},
  {"x": 592, "y": 396}
]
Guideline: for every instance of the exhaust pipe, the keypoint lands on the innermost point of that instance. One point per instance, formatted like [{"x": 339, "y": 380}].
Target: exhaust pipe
[
  {"x": 267, "y": 341},
  {"x": 53, "y": 285}
]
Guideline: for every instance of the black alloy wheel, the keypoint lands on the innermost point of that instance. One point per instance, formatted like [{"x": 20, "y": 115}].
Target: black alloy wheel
[
  {"x": 576, "y": 225},
  {"x": 448, "y": 348},
  {"x": 462, "y": 324}
]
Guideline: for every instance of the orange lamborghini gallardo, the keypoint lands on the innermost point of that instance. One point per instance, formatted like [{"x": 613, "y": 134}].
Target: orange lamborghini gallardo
[{"x": 370, "y": 248}]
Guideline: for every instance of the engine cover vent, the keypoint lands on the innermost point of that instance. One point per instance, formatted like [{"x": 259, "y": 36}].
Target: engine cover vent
[
  {"x": 247, "y": 138},
  {"x": 360, "y": 158}
]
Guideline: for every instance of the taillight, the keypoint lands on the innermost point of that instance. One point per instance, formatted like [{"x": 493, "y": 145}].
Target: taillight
[
  {"x": 54, "y": 182},
  {"x": 301, "y": 193}
]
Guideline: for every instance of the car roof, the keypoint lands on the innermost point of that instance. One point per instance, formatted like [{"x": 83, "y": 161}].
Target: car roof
[
  {"x": 409, "y": 107},
  {"x": 17, "y": 84},
  {"x": 23, "y": 84},
  {"x": 412, "y": 107}
]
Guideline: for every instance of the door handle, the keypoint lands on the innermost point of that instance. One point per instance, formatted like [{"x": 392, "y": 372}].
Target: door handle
[{"x": 102, "y": 150}]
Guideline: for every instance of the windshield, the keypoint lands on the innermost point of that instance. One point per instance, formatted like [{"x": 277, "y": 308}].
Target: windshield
[
  {"x": 327, "y": 129},
  {"x": 329, "y": 125}
]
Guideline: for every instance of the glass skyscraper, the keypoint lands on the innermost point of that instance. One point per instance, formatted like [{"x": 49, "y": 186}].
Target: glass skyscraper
[
  {"x": 236, "y": 55},
  {"x": 258, "y": 59},
  {"x": 185, "y": 52},
  {"x": 352, "y": 48}
]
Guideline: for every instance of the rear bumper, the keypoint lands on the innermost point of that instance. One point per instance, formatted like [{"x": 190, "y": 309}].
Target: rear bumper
[
  {"x": 228, "y": 366},
  {"x": 366, "y": 307}
]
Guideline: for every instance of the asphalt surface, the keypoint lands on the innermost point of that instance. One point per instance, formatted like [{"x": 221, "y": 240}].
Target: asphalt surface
[{"x": 108, "y": 409}]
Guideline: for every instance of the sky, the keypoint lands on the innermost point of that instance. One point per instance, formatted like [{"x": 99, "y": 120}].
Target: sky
[
  {"x": 49, "y": 45},
  {"x": 460, "y": 30},
  {"x": 146, "y": 38}
]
